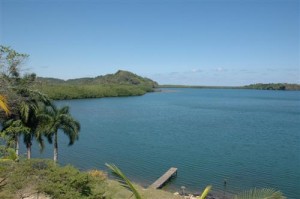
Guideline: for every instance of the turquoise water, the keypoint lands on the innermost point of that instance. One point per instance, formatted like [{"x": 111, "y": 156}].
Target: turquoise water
[{"x": 248, "y": 137}]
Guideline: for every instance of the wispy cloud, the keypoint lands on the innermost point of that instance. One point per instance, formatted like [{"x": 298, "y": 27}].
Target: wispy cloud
[
  {"x": 220, "y": 69},
  {"x": 197, "y": 70}
]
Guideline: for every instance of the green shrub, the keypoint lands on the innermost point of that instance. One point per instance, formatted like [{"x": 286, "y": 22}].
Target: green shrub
[
  {"x": 7, "y": 153},
  {"x": 46, "y": 177}
]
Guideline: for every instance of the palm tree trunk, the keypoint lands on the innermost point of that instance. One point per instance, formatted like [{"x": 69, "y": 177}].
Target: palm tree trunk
[
  {"x": 28, "y": 146},
  {"x": 55, "y": 157},
  {"x": 17, "y": 146}
]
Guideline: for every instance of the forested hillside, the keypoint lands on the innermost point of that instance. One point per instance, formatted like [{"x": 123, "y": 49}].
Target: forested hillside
[{"x": 122, "y": 83}]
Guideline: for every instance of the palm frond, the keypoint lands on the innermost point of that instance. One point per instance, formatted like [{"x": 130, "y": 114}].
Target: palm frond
[
  {"x": 15, "y": 127},
  {"x": 64, "y": 110},
  {"x": 3, "y": 105},
  {"x": 24, "y": 111},
  {"x": 205, "y": 192},
  {"x": 264, "y": 193},
  {"x": 34, "y": 96},
  {"x": 124, "y": 180},
  {"x": 70, "y": 127}
]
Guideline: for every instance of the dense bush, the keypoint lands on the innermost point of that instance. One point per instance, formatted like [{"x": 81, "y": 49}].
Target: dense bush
[
  {"x": 7, "y": 153},
  {"x": 45, "y": 177}
]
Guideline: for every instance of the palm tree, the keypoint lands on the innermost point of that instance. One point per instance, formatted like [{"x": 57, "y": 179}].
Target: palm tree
[
  {"x": 31, "y": 103},
  {"x": 23, "y": 119},
  {"x": 55, "y": 119},
  {"x": 12, "y": 129},
  {"x": 24, "y": 102}
]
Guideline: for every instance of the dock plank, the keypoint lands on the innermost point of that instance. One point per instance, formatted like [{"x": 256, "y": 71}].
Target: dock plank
[{"x": 164, "y": 178}]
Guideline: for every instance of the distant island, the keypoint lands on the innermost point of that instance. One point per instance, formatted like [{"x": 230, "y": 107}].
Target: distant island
[
  {"x": 124, "y": 83},
  {"x": 260, "y": 86},
  {"x": 279, "y": 86}
]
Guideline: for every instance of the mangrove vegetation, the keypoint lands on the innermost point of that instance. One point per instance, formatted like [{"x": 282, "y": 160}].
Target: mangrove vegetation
[{"x": 120, "y": 84}]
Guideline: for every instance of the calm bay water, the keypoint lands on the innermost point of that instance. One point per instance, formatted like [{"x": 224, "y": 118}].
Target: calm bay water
[{"x": 248, "y": 137}]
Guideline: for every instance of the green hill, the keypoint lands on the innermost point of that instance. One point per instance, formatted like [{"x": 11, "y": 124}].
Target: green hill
[{"x": 122, "y": 83}]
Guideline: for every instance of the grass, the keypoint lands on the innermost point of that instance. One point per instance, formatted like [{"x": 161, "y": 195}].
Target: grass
[{"x": 116, "y": 190}]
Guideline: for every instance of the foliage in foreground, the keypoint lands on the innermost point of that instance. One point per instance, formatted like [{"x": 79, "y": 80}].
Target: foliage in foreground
[
  {"x": 260, "y": 194},
  {"x": 3, "y": 104},
  {"x": 205, "y": 192},
  {"x": 125, "y": 182},
  {"x": 7, "y": 153},
  {"x": 45, "y": 177}
]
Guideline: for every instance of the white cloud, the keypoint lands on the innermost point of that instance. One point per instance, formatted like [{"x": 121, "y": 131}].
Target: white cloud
[
  {"x": 196, "y": 70},
  {"x": 220, "y": 69}
]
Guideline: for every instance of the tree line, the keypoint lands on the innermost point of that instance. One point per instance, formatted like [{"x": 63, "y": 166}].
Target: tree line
[
  {"x": 26, "y": 112},
  {"x": 273, "y": 86},
  {"x": 65, "y": 91}
]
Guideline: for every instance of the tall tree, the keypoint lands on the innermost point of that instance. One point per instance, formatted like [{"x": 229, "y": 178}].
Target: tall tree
[
  {"x": 25, "y": 121},
  {"x": 32, "y": 103},
  {"x": 24, "y": 102},
  {"x": 55, "y": 119}
]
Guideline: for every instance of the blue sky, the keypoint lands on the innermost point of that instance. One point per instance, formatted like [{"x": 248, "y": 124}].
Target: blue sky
[{"x": 217, "y": 42}]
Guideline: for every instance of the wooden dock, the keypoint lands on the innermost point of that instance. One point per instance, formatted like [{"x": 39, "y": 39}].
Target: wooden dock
[{"x": 164, "y": 178}]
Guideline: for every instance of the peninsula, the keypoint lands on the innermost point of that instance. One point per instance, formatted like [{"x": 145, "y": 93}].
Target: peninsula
[{"x": 120, "y": 84}]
